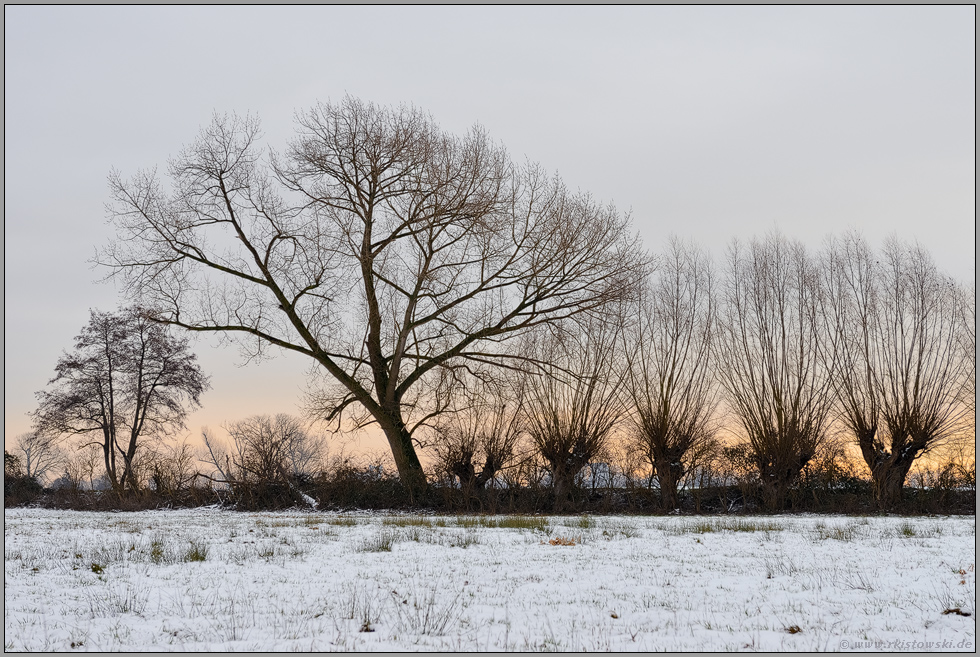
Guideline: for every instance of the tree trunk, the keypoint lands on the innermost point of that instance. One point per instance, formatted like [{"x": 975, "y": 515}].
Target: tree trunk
[
  {"x": 562, "y": 484},
  {"x": 888, "y": 481},
  {"x": 109, "y": 454},
  {"x": 774, "y": 493},
  {"x": 129, "y": 475},
  {"x": 563, "y": 481},
  {"x": 776, "y": 483},
  {"x": 410, "y": 470},
  {"x": 668, "y": 476},
  {"x": 778, "y": 474},
  {"x": 470, "y": 484},
  {"x": 888, "y": 468}
]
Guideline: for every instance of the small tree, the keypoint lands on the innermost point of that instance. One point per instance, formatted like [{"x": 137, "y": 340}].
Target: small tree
[
  {"x": 82, "y": 463},
  {"x": 127, "y": 380},
  {"x": 900, "y": 329},
  {"x": 265, "y": 452},
  {"x": 39, "y": 453},
  {"x": 775, "y": 360},
  {"x": 574, "y": 404},
  {"x": 669, "y": 379},
  {"x": 171, "y": 466}
]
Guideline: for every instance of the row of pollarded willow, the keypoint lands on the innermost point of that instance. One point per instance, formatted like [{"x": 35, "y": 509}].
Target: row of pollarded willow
[
  {"x": 388, "y": 251},
  {"x": 881, "y": 342},
  {"x": 564, "y": 412},
  {"x": 794, "y": 342}
]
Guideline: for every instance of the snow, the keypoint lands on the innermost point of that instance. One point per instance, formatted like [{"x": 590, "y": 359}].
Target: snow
[{"x": 313, "y": 581}]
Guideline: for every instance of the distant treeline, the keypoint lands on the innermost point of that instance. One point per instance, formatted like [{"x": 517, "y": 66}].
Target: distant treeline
[{"x": 722, "y": 483}]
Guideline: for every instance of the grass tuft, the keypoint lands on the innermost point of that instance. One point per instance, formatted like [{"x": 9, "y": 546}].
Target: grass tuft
[
  {"x": 421, "y": 613},
  {"x": 157, "y": 553},
  {"x": 196, "y": 552},
  {"x": 845, "y": 533},
  {"x": 341, "y": 521},
  {"x": 465, "y": 540},
  {"x": 728, "y": 525},
  {"x": 623, "y": 529},
  {"x": 407, "y": 521},
  {"x": 532, "y": 523},
  {"x": 380, "y": 543}
]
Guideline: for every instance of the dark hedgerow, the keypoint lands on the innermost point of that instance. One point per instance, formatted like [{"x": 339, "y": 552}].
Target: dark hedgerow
[{"x": 349, "y": 487}]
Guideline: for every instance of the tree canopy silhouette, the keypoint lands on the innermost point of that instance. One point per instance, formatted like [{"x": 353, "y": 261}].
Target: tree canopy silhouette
[{"x": 386, "y": 250}]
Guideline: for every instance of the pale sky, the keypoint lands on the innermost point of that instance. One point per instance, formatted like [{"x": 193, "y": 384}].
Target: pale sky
[{"x": 706, "y": 122}]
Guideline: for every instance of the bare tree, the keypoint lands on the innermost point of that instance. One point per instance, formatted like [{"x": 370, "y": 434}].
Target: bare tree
[
  {"x": 377, "y": 245},
  {"x": 39, "y": 453},
  {"x": 968, "y": 352},
  {"x": 81, "y": 465},
  {"x": 172, "y": 466},
  {"x": 127, "y": 380},
  {"x": 478, "y": 435},
  {"x": 266, "y": 449},
  {"x": 899, "y": 321},
  {"x": 775, "y": 359},
  {"x": 669, "y": 380},
  {"x": 573, "y": 406}
]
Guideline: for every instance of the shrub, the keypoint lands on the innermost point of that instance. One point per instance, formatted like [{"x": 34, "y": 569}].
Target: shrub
[{"x": 18, "y": 488}]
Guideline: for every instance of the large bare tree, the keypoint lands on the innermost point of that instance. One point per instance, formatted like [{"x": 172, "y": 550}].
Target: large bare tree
[
  {"x": 900, "y": 325},
  {"x": 127, "y": 380},
  {"x": 775, "y": 358},
  {"x": 669, "y": 382},
  {"x": 381, "y": 247}
]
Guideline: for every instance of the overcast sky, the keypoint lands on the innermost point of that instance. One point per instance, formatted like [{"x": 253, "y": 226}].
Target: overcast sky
[{"x": 706, "y": 122}]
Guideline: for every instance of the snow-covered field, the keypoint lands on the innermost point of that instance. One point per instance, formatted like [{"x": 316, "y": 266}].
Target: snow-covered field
[{"x": 208, "y": 579}]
